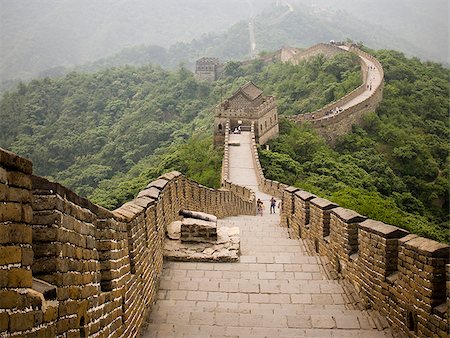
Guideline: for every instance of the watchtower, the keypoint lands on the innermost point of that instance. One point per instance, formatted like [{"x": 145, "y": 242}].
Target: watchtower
[
  {"x": 208, "y": 69},
  {"x": 245, "y": 106}
]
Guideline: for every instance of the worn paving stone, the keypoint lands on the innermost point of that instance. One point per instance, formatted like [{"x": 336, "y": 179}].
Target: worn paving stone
[
  {"x": 346, "y": 322},
  {"x": 275, "y": 290},
  {"x": 322, "y": 321}
]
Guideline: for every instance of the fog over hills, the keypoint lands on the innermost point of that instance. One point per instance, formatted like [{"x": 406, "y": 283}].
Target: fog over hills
[
  {"x": 424, "y": 24},
  {"x": 36, "y": 35},
  {"x": 39, "y": 35}
]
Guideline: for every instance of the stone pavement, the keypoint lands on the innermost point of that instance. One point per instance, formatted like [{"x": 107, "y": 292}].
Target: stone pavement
[{"x": 276, "y": 290}]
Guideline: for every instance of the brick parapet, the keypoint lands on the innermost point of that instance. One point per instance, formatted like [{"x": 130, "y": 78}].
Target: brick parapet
[
  {"x": 405, "y": 277},
  {"x": 104, "y": 265}
]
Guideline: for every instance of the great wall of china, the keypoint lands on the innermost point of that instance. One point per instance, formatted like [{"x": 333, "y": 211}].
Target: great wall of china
[{"x": 71, "y": 268}]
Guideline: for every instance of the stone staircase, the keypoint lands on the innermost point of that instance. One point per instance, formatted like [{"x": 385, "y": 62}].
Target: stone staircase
[{"x": 276, "y": 290}]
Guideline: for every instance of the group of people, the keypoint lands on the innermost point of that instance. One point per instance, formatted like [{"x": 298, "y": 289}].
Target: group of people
[
  {"x": 236, "y": 130},
  {"x": 273, "y": 204},
  {"x": 333, "y": 111}
]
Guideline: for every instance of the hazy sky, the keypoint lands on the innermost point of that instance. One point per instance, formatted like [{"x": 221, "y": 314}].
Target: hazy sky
[{"x": 40, "y": 34}]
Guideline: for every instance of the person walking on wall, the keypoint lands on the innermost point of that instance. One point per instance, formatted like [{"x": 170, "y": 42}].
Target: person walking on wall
[
  {"x": 260, "y": 206},
  {"x": 273, "y": 203}
]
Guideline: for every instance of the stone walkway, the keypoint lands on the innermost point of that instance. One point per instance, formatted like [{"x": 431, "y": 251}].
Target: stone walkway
[
  {"x": 276, "y": 290},
  {"x": 374, "y": 79}
]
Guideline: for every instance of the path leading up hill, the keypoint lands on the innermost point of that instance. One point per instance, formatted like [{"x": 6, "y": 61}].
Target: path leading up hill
[
  {"x": 276, "y": 290},
  {"x": 373, "y": 81}
]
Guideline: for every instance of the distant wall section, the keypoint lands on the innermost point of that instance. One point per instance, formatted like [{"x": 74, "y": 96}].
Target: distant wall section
[{"x": 330, "y": 126}]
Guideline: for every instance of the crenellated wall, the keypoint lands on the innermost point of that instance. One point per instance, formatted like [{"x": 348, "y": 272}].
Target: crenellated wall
[
  {"x": 71, "y": 268},
  {"x": 403, "y": 276}
]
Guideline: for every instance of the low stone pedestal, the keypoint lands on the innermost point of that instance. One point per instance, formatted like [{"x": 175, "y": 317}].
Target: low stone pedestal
[
  {"x": 198, "y": 239},
  {"x": 198, "y": 230},
  {"x": 225, "y": 249}
]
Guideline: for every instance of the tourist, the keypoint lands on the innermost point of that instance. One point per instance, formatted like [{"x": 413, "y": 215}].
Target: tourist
[
  {"x": 273, "y": 203},
  {"x": 260, "y": 206}
]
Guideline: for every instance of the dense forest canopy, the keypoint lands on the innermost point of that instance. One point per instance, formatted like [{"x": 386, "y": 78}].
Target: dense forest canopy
[{"x": 107, "y": 134}]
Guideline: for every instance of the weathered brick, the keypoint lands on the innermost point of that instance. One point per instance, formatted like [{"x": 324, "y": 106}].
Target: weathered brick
[
  {"x": 15, "y": 233},
  {"x": 11, "y": 212},
  {"x": 19, "y": 278},
  {"x": 18, "y": 179},
  {"x": 10, "y": 255},
  {"x": 4, "y": 321},
  {"x": 21, "y": 321},
  {"x": 50, "y": 314},
  {"x": 9, "y": 299}
]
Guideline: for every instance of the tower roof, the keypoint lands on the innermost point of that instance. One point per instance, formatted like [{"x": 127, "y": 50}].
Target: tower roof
[{"x": 249, "y": 90}]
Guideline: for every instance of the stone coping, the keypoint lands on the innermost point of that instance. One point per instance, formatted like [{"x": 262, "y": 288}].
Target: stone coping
[
  {"x": 323, "y": 203},
  {"x": 15, "y": 162},
  {"x": 384, "y": 230},
  {"x": 348, "y": 216},
  {"x": 305, "y": 195}
]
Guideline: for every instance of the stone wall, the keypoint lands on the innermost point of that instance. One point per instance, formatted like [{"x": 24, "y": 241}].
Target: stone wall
[
  {"x": 72, "y": 268},
  {"x": 332, "y": 126},
  {"x": 269, "y": 187},
  {"x": 325, "y": 49},
  {"x": 402, "y": 276}
]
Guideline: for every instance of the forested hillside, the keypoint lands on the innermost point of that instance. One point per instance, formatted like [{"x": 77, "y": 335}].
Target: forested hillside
[
  {"x": 396, "y": 167},
  {"x": 107, "y": 134},
  {"x": 82, "y": 129}
]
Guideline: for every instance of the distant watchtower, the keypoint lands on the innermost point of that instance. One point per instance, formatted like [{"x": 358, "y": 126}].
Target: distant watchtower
[
  {"x": 245, "y": 106},
  {"x": 208, "y": 69}
]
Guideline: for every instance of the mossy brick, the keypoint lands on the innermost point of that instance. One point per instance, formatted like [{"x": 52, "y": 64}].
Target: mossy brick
[{"x": 10, "y": 255}]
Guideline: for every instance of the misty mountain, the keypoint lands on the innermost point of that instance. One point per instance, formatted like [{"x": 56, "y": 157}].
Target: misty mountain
[
  {"x": 37, "y": 35},
  {"x": 280, "y": 25},
  {"x": 424, "y": 24}
]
